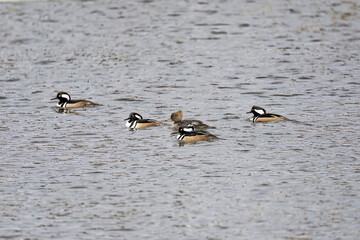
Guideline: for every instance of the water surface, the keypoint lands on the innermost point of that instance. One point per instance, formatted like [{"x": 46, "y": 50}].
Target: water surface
[{"x": 83, "y": 175}]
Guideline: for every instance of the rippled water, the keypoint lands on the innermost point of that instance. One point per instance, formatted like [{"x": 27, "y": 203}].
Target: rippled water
[{"x": 83, "y": 175}]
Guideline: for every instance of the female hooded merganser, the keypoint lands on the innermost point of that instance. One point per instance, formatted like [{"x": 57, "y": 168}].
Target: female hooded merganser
[
  {"x": 177, "y": 117},
  {"x": 66, "y": 102},
  {"x": 136, "y": 121},
  {"x": 187, "y": 134},
  {"x": 260, "y": 115}
]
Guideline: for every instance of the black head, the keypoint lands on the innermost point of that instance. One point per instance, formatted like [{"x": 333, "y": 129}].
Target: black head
[
  {"x": 181, "y": 130},
  {"x": 257, "y": 111},
  {"x": 63, "y": 97},
  {"x": 134, "y": 116}
]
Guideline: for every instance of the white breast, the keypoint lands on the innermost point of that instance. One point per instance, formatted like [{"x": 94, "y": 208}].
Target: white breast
[
  {"x": 180, "y": 137},
  {"x": 63, "y": 105},
  {"x": 131, "y": 124}
]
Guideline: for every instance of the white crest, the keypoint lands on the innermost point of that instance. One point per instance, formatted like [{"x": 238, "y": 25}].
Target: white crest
[
  {"x": 138, "y": 115},
  {"x": 259, "y": 111},
  {"x": 189, "y": 128},
  {"x": 65, "y": 95}
]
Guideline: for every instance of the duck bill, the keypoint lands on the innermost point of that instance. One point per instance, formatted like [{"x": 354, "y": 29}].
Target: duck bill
[
  {"x": 249, "y": 112},
  {"x": 126, "y": 119},
  {"x": 53, "y": 98},
  {"x": 169, "y": 120}
]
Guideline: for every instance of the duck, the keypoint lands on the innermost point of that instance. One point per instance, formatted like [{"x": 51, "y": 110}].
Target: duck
[
  {"x": 188, "y": 134},
  {"x": 260, "y": 115},
  {"x": 177, "y": 118},
  {"x": 66, "y": 102},
  {"x": 136, "y": 121}
]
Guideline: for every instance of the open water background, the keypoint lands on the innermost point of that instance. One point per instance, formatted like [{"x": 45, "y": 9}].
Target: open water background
[{"x": 83, "y": 175}]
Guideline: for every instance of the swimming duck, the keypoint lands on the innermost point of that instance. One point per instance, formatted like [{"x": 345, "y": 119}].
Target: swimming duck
[
  {"x": 188, "y": 134},
  {"x": 66, "y": 102},
  {"x": 136, "y": 121},
  {"x": 177, "y": 118},
  {"x": 260, "y": 115}
]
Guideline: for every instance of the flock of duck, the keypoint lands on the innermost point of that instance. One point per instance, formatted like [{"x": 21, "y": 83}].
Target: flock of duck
[{"x": 189, "y": 131}]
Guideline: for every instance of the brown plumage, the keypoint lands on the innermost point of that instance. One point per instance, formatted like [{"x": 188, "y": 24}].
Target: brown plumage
[
  {"x": 260, "y": 115},
  {"x": 269, "y": 119},
  {"x": 177, "y": 118},
  {"x": 189, "y": 135},
  {"x": 136, "y": 121},
  {"x": 66, "y": 102}
]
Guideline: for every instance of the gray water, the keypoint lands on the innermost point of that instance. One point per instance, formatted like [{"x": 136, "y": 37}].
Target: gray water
[{"x": 83, "y": 175}]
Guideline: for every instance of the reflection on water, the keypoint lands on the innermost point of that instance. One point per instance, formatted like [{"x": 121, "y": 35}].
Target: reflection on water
[
  {"x": 65, "y": 110},
  {"x": 81, "y": 174}
]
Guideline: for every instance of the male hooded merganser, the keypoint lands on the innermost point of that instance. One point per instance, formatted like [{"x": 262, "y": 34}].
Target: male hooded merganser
[
  {"x": 187, "y": 134},
  {"x": 177, "y": 117},
  {"x": 136, "y": 121},
  {"x": 66, "y": 102},
  {"x": 260, "y": 115}
]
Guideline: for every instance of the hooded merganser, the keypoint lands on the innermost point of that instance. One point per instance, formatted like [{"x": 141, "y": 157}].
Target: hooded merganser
[
  {"x": 66, "y": 102},
  {"x": 187, "y": 134},
  {"x": 177, "y": 117},
  {"x": 260, "y": 115},
  {"x": 136, "y": 121}
]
